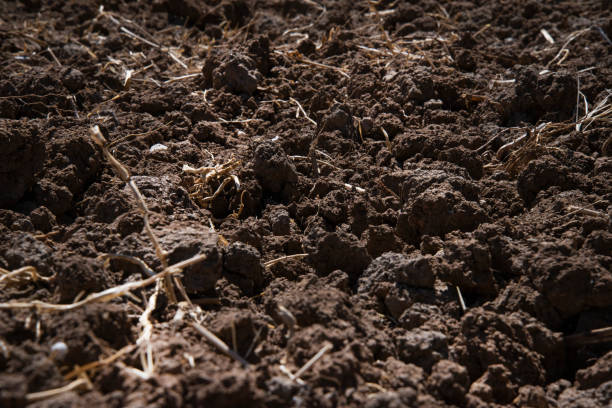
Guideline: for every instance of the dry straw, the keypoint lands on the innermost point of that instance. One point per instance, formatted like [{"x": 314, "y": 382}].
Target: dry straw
[
  {"x": 124, "y": 174},
  {"x": 27, "y": 273},
  {"x": 108, "y": 294},
  {"x": 537, "y": 141},
  {"x": 206, "y": 177}
]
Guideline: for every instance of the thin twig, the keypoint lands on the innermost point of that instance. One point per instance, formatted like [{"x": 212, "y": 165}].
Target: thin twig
[
  {"x": 50, "y": 51},
  {"x": 313, "y": 360},
  {"x": 575, "y": 209},
  {"x": 180, "y": 78},
  {"x": 218, "y": 343},
  {"x": 299, "y": 57},
  {"x": 301, "y": 109},
  {"x": 461, "y": 301},
  {"x": 139, "y": 38},
  {"x": 37, "y": 396},
  {"x": 254, "y": 342},
  {"x": 283, "y": 258},
  {"x": 595, "y": 336},
  {"x": 96, "y": 364},
  {"x": 146, "y": 328}
]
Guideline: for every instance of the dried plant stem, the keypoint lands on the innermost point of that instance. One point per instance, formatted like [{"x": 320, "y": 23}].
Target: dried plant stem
[
  {"x": 537, "y": 140},
  {"x": 21, "y": 274},
  {"x": 139, "y": 38},
  {"x": 124, "y": 174},
  {"x": 238, "y": 213},
  {"x": 429, "y": 61},
  {"x": 135, "y": 36},
  {"x": 300, "y": 58},
  {"x": 37, "y": 396},
  {"x": 135, "y": 135},
  {"x": 179, "y": 285},
  {"x": 296, "y": 377},
  {"x": 461, "y": 301},
  {"x": 283, "y": 258},
  {"x": 301, "y": 109},
  {"x": 595, "y": 336},
  {"x": 146, "y": 328},
  {"x": 107, "y": 294},
  {"x": 145, "y": 268},
  {"x": 482, "y": 30},
  {"x": 50, "y": 51},
  {"x": 288, "y": 319},
  {"x": 180, "y": 78},
  {"x": 319, "y": 65},
  {"x": 313, "y": 360},
  {"x": 253, "y": 343},
  {"x": 213, "y": 172},
  {"x": 96, "y": 364},
  {"x": 218, "y": 343},
  {"x": 219, "y": 190},
  {"x": 602, "y": 112},
  {"x": 387, "y": 140},
  {"x": 387, "y": 189},
  {"x": 586, "y": 211},
  {"x": 563, "y": 51},
  {"x": 201, "y": 188}
]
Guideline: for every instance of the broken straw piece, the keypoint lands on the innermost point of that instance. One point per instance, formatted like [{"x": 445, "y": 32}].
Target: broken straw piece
[
  {"x": 547, "y": 35},
  {"x": 218, "y": 343},
  {"x": 313, "y": 360}
]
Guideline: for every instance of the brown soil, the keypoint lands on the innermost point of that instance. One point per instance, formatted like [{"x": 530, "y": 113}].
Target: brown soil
[{"x": 374, "y": 139}]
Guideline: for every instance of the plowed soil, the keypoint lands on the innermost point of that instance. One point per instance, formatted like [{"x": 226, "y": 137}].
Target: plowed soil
[{"x": 420, "y": 191}]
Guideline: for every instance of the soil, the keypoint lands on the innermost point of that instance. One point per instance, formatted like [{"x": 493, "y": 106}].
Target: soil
[{"x": 388, "y": 158}]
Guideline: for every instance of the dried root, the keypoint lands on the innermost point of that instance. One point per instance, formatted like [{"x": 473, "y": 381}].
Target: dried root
[
  {"x": 208, "y": 183},
  {"x": 27, "y": 273}
]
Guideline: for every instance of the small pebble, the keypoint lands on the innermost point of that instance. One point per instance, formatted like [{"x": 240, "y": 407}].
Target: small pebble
[
  {"x": 157, "y": 147},
  {"x": 59, "y": 350}
]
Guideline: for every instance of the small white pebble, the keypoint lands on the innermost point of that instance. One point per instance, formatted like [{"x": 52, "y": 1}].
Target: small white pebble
[
  {"x": 59, "y": 350},
  {"x": 157, "y": 147}
]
